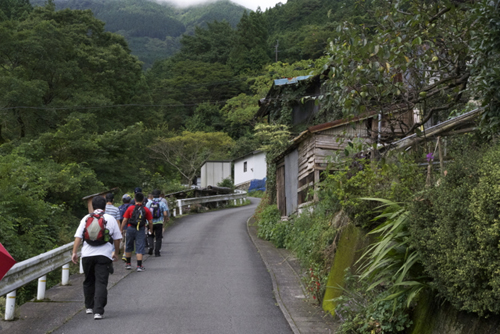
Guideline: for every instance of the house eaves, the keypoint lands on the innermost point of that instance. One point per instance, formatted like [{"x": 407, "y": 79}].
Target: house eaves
[{"x": 322, "y": 127}]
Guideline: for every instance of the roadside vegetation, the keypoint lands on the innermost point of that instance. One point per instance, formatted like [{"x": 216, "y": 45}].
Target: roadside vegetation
[{"x": 429, "y": 233}]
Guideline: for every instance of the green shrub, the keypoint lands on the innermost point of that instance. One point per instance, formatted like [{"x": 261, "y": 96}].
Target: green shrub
[
  {"x": 270, "y": 226},
  {"x": 393, "y": 181},
  {"x": 256, "y": 193},
  {"x": 361, "y": 310},
  {"x": 264, "y": 202},
  {"x": 311, "y": 236},
  {"x": 456, "y": 229},
  {"x": 227, "y": 183}
]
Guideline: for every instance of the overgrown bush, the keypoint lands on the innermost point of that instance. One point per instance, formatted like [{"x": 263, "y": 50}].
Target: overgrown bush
[
  {"x": 270, "y": 226},
  {"x": 264, "y": 202},
  {"x": 366, "y": 311},
  {"x": 456, "y": 229},
  {"x": 397, "y": 181},
  {"x": 256, "y": 193},
  {"x": 227, "y": 183},
  {"x": 312, "y": 236}
]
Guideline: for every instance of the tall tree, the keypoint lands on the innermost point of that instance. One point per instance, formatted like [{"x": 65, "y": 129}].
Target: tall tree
[
  {"x": 14, "y": 9},
  {"x": 250, "y": 50},
  {"x": 485, "y": 44},
  {"x": 182, "y": 85},
  {"x": 415, "y": 58},
  {"x": 188, "y": 152},
  {"x": 61, "y": 59},
  {"x": 210, "y": 45}
]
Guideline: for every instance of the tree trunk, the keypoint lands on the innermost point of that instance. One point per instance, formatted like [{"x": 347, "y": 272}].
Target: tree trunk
[{"x": 22, "y": 126}]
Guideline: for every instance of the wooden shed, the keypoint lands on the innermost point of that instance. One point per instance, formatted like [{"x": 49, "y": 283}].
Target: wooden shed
[{"x": 299, "y": 167}]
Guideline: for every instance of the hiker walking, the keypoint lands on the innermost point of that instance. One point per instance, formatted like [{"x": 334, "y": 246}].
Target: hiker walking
[
  {"x": 164, "y": 200},
  {"x": 160, "y": 217},
  {"x": 101, "y": 236},
  {"x": 139, "y": 190},
  {"x": 111, "y": 209},
  {"x": 133, "y": 225},
  {"x": 126, "y": 203}
]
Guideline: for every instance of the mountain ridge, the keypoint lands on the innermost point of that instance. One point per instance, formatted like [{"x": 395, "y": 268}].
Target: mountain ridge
[{"x": 153, "y": 29}]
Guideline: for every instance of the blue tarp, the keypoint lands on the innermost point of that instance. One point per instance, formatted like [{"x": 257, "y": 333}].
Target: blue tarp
[
  {"x": 258, "y": 185},
  {"x": 290, "y": 81}
]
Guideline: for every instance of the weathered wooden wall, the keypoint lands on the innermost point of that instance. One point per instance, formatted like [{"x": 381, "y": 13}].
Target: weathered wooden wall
[
  {"x": 291, "y": 181},
  {"x": 280, "y": 187}
]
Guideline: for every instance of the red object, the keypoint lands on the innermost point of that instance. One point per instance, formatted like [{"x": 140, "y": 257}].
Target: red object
[
  {"x": 6, "y": 261},
  {"x": 130, "y": 209}
]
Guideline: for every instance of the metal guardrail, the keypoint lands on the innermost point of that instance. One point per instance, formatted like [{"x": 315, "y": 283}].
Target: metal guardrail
[
  {"x": 238, "y": 195},
  {"x": 29, "y": 270},
  {"x": 32, "y": 269}
]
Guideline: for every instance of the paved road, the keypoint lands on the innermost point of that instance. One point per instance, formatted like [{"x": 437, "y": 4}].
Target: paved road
[{"x": 210, "y": 279}]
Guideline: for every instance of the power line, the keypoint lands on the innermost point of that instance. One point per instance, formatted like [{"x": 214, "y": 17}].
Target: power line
[{"x": 139, "y": 105}]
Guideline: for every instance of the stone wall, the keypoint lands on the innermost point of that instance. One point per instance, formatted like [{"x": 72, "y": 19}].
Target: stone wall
[
  {"x": 433, "y": 316},
  {"x": 349, "y": 249}
]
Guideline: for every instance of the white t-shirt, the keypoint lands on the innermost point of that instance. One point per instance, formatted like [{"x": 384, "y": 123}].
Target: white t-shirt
[{"x": 106, "y": 249}]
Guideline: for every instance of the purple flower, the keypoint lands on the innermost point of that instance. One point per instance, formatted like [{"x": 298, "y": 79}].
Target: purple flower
[{"x": 430, "y": 157}]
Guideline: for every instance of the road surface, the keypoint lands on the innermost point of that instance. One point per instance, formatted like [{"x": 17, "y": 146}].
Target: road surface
[{"x": 209, "y": 279}]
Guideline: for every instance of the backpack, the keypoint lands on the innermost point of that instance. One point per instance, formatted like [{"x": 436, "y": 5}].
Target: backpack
[
  {"x": 122, "y": 209},
  {"x": 138, "y": 217},
  {"x": 95, "y": 232},
  {"x": 155, "y": 208}
]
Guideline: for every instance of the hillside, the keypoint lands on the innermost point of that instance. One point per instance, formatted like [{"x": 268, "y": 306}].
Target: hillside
[
  {"x": 201, "y": 14},
  {"x": 153, "y": 29}
]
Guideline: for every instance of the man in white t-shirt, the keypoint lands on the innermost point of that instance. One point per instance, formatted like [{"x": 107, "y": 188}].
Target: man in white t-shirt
[{"x": 97, "y": 260}]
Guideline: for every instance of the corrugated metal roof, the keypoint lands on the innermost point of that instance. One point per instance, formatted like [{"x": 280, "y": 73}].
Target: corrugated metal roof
[{"x": 290, "y": 81}]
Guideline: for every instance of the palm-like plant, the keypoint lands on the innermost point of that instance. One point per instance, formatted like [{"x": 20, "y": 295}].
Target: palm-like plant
[{"x": 391, "y": 261}]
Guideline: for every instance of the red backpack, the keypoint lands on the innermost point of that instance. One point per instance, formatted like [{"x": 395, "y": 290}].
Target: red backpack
[{"x": 95, "y": 232}]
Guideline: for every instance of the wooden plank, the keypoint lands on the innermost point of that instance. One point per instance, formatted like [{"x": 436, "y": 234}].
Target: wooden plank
[
  {"x": 280, "y": 190},
  {"x": 305, "y": 186}
]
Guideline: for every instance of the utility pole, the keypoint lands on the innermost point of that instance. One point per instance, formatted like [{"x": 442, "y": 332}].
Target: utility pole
[{"x": 276, "y": 49}]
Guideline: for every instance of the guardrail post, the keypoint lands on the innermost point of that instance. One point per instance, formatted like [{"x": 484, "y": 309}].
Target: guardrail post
[
  {"x": 235, "y": 203},
  {"x": 42, "y": 285},
  {"x": 65, "y": 274},
  {"x": 179, "y": 204},
  {"x": 10, "y": 305},
  {"x": 173, "y": 211}
]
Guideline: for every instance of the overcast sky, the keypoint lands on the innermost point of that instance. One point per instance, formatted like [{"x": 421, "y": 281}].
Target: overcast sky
[{"x": 252, "y": 4}]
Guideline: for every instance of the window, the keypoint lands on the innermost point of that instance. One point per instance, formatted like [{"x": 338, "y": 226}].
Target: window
[{"x": 245, "y": 167}]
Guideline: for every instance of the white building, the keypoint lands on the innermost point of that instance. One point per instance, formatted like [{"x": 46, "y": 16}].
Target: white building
[
  {"x": 249, "y": 167},
  {"x": 213, "y": 172}
]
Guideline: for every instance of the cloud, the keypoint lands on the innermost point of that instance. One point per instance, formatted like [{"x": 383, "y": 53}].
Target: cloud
[{"x": 251, "y": 4}]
